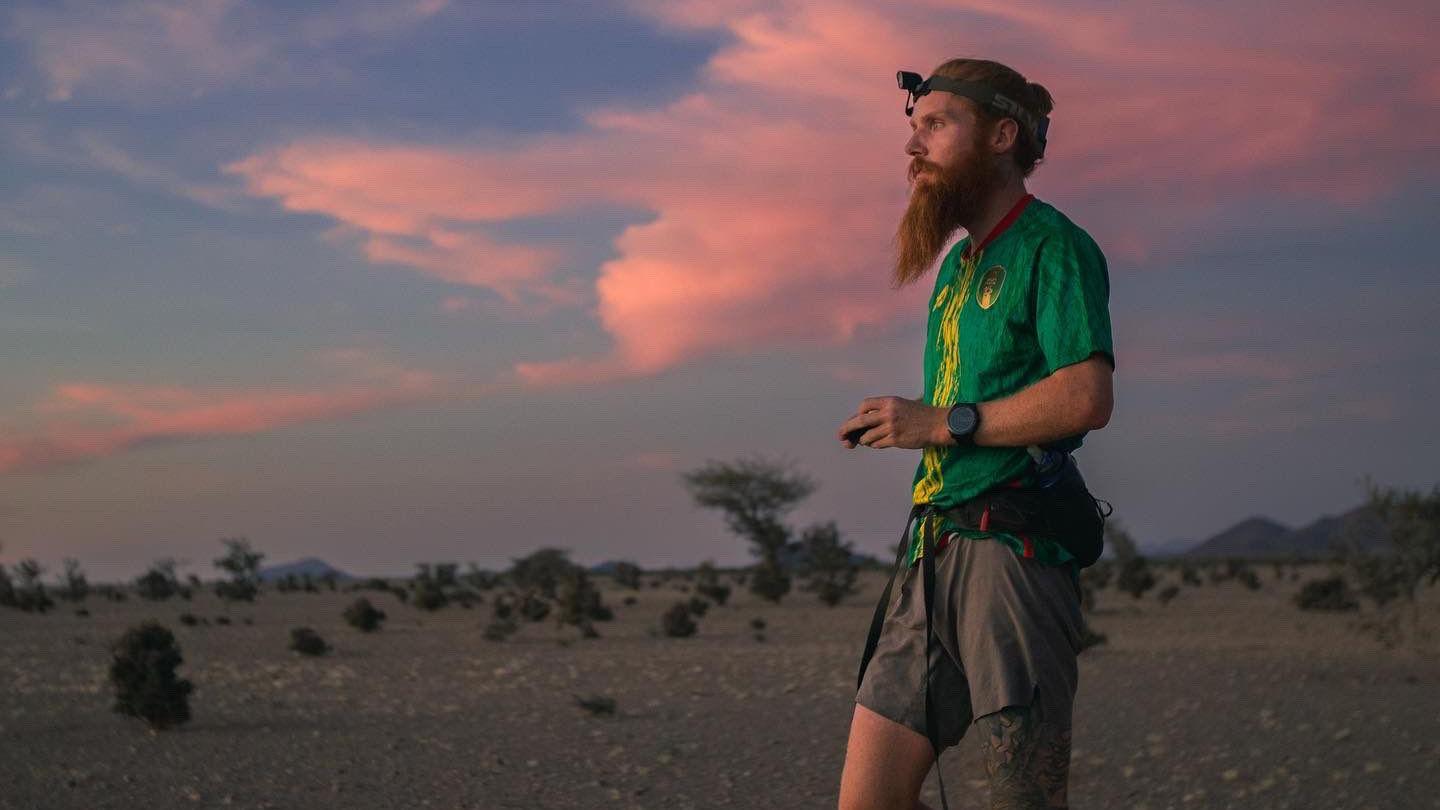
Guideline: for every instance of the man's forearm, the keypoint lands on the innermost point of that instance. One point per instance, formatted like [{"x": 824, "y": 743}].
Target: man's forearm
[{"x": 1063, "y": 404}]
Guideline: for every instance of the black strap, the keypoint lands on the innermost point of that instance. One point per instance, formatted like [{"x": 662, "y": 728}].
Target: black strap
[
  {"x": 878, "y": 620},
  {"x": 920, "y": 510},
  {"x": 927, "y": 563}
]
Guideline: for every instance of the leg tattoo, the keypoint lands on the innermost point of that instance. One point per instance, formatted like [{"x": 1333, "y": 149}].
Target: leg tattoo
[{"x": 1027, "y": 761}]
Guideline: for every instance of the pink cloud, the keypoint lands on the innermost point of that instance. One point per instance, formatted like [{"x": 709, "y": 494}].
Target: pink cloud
[
  {"x": 83, "y": 421},
  {"x": 776, "y": 180},
  {"x": 146, "y": 49}
]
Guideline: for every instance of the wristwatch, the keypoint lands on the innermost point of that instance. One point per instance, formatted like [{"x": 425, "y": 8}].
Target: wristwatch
[{"x": 963, "y": 420}]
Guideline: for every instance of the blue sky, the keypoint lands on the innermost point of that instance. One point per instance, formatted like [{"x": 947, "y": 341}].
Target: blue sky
[{"x": 384, "y": 283}]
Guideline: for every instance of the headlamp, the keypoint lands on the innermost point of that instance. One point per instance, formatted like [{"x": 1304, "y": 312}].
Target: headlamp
[{"x": 981, "y": 93}]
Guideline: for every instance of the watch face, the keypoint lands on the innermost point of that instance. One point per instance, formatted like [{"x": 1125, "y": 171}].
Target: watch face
[{"x": 961, "y": 420}]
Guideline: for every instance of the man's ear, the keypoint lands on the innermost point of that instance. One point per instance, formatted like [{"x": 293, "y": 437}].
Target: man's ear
[{"x": 1004, "y": 136}]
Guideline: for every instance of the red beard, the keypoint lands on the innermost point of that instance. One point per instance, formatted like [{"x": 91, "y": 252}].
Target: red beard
[{"x": 940, "y": 203}]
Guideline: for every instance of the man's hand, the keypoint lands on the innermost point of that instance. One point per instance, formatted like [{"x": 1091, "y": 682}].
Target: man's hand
[{"x": 897, "y": 422}]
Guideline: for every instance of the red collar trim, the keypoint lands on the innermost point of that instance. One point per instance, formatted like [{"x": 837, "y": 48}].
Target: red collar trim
[{"x": 1001, "y": 226}]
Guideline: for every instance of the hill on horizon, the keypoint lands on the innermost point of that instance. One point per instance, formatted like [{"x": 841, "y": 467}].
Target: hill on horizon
[
  {"x": 314, "y": 566},
  {"x": 1259, "y": 536}
]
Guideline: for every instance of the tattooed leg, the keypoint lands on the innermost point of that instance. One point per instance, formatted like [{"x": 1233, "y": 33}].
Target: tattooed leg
[{"x": 1028, "y": 761}]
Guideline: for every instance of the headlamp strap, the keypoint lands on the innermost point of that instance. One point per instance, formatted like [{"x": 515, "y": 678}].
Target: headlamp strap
[{"x": 984, "y": 94}]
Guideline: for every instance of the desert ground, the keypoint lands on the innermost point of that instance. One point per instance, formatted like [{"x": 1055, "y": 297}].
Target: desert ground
[{"x": 1223, "y": 698}]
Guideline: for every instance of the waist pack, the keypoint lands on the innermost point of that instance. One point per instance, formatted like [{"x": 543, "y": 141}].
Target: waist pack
[{"x": 1058, "y": 506}]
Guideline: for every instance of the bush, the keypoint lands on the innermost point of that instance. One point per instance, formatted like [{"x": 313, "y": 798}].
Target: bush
[
  {"x": 542, "y": 570},
  {"x": 7, "y": 589},
  {"x": 1189, "y": 575},
  {"x": 222, "y": 620},
  {"x": 1135, "y": 577},
  {"x": 307, "y": 642},
  {"x": 770, "y": 581},
  {"x": 707, "y": 584},
  {"x": 1167, "y": 593},
  {"x": 500, "y": 629},
  {"x": 676, "y": 623},
  {"x": 29, "y": 595},
  {"x": 143, "y": 674},
  {"x": 533, "y": 608},
  {"x": 831, "y": 573},
  {"x": 597, "y": 704},
  {"x": 757, "y": 623},
  {"x": 364, "y": 616},
  {"x": 579, "y": 600},
  {"x": 1330, "y": 594},
  {"x": 76, "y": 587},
  {"x": 627, "y": 575},
  {"x": 429, "y": 595},
  {"x": 188, "y": 619},
  {"x": 697, "y": 606},
  {"x": 629, "y": 600},
  {"x": 1249, "y": 578}
]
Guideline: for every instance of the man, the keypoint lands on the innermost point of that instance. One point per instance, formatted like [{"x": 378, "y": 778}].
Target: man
[{"x": 1018, "y": 361}]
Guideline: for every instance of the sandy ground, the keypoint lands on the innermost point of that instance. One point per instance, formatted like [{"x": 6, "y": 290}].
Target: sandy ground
[{"x": 1225, "y": 698}]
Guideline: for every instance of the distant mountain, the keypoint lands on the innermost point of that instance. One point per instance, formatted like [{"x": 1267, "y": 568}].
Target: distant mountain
[
  {"x": 1254, "y": 536},
  {"x": 316, "y": 568},
  {"x": 1263, "y": 537}
]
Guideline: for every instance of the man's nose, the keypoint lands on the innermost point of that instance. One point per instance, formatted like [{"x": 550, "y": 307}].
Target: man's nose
[{"x": 913, "y": 146}]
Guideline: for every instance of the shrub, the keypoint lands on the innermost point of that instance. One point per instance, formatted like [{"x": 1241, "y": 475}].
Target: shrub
[
  {"x": 1381, "y": 578},
  {"x": 533, "y": 608},
  {"x": 143, "y": 673},
  {"x": 629, "y": 600},
  {"x": 697, "y": 606},
  {"x": 627, "y": 575},
  {"x": 757, "y": 623},
  {"x": 597, "y": 704},
  {"x": 676, "y": 623},
  {"x": 364, "y": 616},
  {"x": 76, "y": 587},
  {"x": 1167, "y": 593},
  {"x": 770, "y": 582},
  {"x": 222, "y": 620},
  {"x": 307, "y": 642},
  {"x": 1249, "y": 578},
  {"x": 579, "y": 600},
  {"x": 541, "y": 570},
  {"x": 188, "y": 619},
  {"x": 429, "y": 595},
  {"x": 29, "y": 595},
  {"x": 500, "y": 629},
  {"x": 707, "y": 584},
  {"x": 7, "y": 589},
  {"x": 831, "y": 572},
  {"x": 1135, "y": 577},
  {"x": 1189, "y": 575},
  {"x": 1326, "y": 594}
]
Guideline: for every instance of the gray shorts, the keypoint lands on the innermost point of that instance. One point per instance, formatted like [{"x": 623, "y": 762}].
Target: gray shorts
[{"x": 1014, "y": 644}]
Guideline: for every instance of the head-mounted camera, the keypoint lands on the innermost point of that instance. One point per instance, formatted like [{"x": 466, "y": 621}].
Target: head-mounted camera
[{"x": 978, "y": 92}]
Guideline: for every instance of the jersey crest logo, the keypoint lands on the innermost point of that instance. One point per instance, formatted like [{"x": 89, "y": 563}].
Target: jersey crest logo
[{"x": 990, "y": 284}]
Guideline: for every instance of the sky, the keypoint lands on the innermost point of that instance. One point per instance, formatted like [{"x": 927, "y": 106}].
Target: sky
[{"x": 384, "y": 283}]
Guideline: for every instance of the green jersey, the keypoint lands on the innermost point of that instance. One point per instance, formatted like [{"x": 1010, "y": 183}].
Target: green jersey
[{"x": 1034, "y": 297}]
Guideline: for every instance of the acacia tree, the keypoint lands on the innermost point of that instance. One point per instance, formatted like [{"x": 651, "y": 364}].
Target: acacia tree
[
  {"x": 1410, "y": 520},
  {"x": 76, "y": 588},
  {"x": 754, "y": 494},
  {"x": 242, "y": 563}
]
